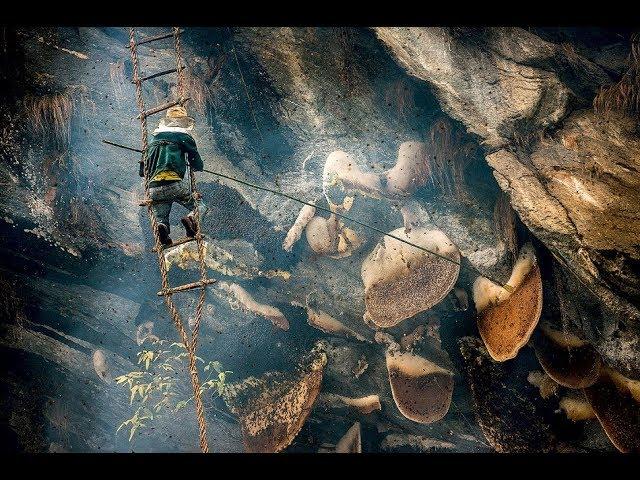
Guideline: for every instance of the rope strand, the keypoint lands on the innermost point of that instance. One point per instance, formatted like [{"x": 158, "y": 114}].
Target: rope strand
[{"x": 203, "y": 269}]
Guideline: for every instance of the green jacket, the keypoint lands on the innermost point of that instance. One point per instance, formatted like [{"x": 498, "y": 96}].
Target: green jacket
[{"x": 170, "y": 152}]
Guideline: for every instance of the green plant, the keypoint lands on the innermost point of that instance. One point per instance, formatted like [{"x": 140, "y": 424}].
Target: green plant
[{"x": 161, "y": 386}]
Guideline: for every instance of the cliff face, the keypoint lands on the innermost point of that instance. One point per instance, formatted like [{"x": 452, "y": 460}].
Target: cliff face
[
  {"x": 571, "y": 174},
  {"x": 271, "y": 104}
]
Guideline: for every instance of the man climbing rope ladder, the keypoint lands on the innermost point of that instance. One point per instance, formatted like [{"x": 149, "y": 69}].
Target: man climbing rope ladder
[{"x": 172, "y": 150}]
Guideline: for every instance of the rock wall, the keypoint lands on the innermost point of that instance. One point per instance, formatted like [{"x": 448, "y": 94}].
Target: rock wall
[
  {"x": 571, "y": 174},
  {"x": 270, "y": 105}
]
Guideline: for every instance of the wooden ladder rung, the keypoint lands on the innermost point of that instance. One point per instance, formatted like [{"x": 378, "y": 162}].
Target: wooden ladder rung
[
  {"x": 160, "y": 108},
  {"x": 188, "y": 286},
  {"x": 144, "y": 203},
  {"x": 156, "y": 75},
  {"x": 162, "y": 36},
  {"x": 178, "y": 242}
]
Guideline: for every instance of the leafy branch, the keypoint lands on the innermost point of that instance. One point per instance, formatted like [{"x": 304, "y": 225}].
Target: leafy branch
[{"x": 162, "y": 387}]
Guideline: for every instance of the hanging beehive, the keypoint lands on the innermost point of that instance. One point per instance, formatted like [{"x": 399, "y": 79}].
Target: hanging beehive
[
  {"x": 400, "y": 280},
  {"x": 569, "y": 360},
  {"x": 273, "y": 407},
  {"x": 329, "y": 236},
  {"x": 421, "y": 389},
  {"x": 351, "y": 442},
  {"x": 506, "y": 320},
  {"x": 410, "y": 172},
  {"x": 420, "y": 378},
  {"x": 342, "y": 174},
  {"x": 615, "y": 400}
]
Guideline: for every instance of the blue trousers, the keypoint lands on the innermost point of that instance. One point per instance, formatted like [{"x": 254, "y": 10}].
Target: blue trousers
[{"x": 178, "y": 192}]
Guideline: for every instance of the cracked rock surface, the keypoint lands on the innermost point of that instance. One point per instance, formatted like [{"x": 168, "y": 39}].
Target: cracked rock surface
[{"x": 571, "y": 174}]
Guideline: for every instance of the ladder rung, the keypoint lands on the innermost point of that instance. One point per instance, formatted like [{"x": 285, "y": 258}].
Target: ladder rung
[
  {"x": 155, "y": 75},
  {"x": 158, "y": 37},
  {"x": 184, "y": 288},
  {"x": 178, "y": 242},
  {"x": 144, "y": 203},
  {"x": 160, "y": 108}
]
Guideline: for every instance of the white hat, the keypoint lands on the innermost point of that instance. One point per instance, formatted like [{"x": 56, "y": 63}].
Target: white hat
[{"x": 176, "y": 116}]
